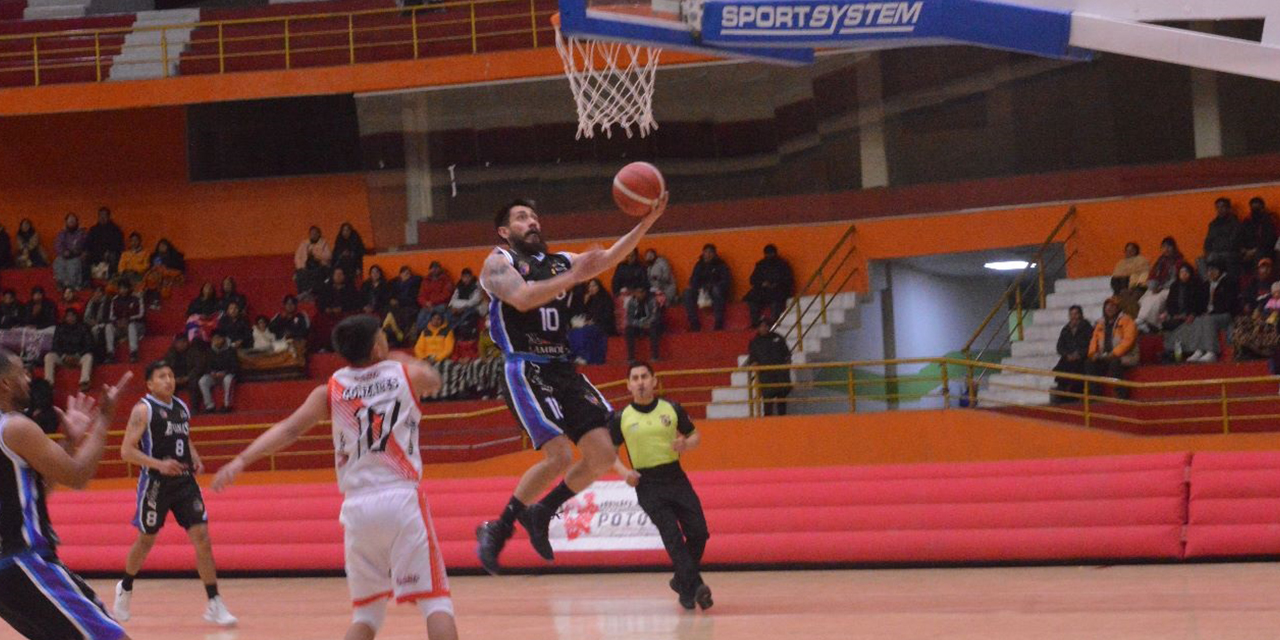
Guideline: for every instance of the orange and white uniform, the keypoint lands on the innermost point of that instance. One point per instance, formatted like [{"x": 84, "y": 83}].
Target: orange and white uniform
[{"x": 391, "y": 545}]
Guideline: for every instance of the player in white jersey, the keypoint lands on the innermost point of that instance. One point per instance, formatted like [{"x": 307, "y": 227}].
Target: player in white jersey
[{"x": 391, "y": 546}]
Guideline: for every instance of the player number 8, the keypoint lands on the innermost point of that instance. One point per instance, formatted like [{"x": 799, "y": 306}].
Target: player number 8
[{"x": 180, "y": 448}]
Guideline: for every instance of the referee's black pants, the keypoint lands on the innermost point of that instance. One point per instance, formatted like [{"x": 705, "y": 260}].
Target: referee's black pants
[{"x": 676, "y": 511}]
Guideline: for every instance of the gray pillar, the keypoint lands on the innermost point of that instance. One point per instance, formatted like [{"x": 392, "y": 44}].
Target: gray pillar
[
  {"x": 417, "y": 164},
  {"x": 874, "y": 158}
]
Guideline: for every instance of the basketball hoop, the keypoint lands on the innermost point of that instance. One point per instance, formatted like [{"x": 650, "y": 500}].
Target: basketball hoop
[{"x": 612, "y": 83}]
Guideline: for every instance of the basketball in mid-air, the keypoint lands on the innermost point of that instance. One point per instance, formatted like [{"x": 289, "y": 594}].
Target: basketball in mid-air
[{"x": 637, "y": 186}]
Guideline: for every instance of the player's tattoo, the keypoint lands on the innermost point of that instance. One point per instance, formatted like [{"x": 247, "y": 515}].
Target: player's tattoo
[{"x": 499, "y": 277}]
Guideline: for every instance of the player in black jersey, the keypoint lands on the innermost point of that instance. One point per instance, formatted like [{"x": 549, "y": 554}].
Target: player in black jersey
[
  {"x": 158, "y": 440},
  {"x": 39, "y": 597},
  {"x": 529, "y": 320}
]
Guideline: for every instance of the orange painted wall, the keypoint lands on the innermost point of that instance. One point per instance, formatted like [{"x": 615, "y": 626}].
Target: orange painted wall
[{"x": 135, "y": 162}]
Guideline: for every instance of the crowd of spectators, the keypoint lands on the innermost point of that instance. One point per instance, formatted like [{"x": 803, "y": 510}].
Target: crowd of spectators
[{"x": 1230, "y": 290}]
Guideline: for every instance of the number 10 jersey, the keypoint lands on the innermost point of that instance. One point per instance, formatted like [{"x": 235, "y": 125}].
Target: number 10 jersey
[
  {"x": 375, "y": 427},
  {"x": 541, "y": 332}
]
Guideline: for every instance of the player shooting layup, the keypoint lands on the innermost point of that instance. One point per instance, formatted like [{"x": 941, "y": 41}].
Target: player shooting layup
[
  {"x": 391, "y": 547},
  {"x": 556, "y": 405}
]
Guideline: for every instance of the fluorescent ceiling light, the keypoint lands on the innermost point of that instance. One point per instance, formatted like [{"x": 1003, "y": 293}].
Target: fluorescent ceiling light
[{"x": 1008, "y": 265}]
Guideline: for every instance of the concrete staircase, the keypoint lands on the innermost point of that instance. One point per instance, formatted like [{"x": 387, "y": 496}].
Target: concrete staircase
[
  {"x": 143, "y": 53},
  {"x": 731, "y": 402},
  {"x": 1038, "y": 348},
  {"x": 54, "y": 9}
]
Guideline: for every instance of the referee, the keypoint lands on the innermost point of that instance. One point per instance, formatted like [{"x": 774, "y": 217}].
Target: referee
[{"x": 656, "y": 432}]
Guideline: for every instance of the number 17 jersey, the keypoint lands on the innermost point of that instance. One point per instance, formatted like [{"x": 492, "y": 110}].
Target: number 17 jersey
[{"x": 375, "y": 427}]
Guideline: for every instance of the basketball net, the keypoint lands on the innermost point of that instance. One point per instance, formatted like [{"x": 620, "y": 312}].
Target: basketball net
[{"x": 612, "y": 83}]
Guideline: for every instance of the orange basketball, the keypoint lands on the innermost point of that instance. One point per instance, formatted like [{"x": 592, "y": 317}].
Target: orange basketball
[{"x": 637, "y": 186}]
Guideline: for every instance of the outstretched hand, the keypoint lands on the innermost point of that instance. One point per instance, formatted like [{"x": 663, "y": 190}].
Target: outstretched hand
[
  {"x": 227, "y": 474},
  {"x": 659, "y": 207},
  {"x": 77, "y": 418}
]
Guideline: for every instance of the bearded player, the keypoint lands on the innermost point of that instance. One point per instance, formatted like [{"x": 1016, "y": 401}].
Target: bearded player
[{"x": 530, "y": 291}]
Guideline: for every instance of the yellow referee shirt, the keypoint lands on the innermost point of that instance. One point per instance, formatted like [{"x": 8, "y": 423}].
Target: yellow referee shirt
[{"x": 648, "y": 430}]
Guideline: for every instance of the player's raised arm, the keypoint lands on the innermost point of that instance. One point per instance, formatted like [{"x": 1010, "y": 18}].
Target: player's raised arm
[
  {"x": 85, "y": 427},
  {"x": 423, "y": 376},
  {"x": 283, "y": 434},
  {"x": 502, "y": 281},
  {"x": 591, "y": 266}
]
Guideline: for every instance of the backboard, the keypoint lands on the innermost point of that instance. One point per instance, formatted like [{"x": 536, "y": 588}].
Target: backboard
[{"x": 787, "y": 31}]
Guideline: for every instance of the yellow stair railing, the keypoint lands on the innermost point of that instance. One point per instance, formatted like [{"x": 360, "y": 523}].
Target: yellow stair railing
[{"x": 344, "y": 32}]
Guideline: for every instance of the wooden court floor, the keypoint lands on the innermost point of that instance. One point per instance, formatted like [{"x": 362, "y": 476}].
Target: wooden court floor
[{"x": 1210, "y": 601}]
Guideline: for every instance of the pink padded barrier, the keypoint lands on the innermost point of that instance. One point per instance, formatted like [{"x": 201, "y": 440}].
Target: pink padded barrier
[
  {"x": 1124, "y": 507},
  {"x": 1234, "y": 505}
]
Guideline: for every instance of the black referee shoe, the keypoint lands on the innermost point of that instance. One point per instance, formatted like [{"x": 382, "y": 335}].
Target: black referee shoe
[
  {"x": 537, "y": 520},
  {"x": 491, "y": 537},
  {"x": 703, "y": 597}
]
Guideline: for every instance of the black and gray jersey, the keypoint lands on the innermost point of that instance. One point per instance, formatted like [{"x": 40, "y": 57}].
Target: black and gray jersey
[
  {"x": 24, "y": 516},
  {"x": 541, "y": 332}
]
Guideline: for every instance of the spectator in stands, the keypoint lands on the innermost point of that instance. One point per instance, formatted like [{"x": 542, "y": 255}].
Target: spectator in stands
[
  {"x": 290, "y": 323},
  {"x": 349, "y": 250},
  {"x": 40, "y": 312},
  {"x": 708, "y": 287},
  {"x": 1223, "y": 303},
  {"x": 71, "y": 301},
  {"x": 1129, "y": 278},
  {"x": 231, "y": 293},
  {"x": 224, "y": 364},
  {"x": 398, "y": 324},
  {"x": 435, "y": 343},
  {"x": 1256, "y": 333},
  {"x": 189, "y": 364},
  {"x": 661, "y": 281},
  {"x": 1222, "y": 242},
  {"x": 202, "y": 314},
  {"x": 772, "y": 283},
  {"x": 466, "y": 304},
  {"x": 1114, "y": 345},
  {"x": 6, "y": 249},
  {"x": 1188, "y": 300},
  {"x": 30, "y": 253},
  {"x": 598, "y": 305},
  {"x": 406, "y": 288},
  {"x": 466, "y": 339},
  {"x": 337, "y": 299},
  {"x": 69, "y": 246},
  {"x": 643, "y": 317},
  {"x": 235, "y": 327},
  {"x": 134, "y": 261},
  {"x": 1256, "y": 287},
  {"x": 1073, "y": 352},
  {"x": 587, "y": 342},
  {"x": 630, "y": 275},
  {"x": 167, "y": 270},
  {"x": 104, "y": 245},
  {"x": 769, "y": 348},
  {"x": 1163, "y": 273},
  {"x": 437, "y": 289},
  {"x": 97, "y": 313},
  {"x": 375, "y": 292},
  {"x": 125, "y": 319},
  {"x": 264, "y": 341},
  {"x": 12, "y": 312},
  {"x": 72, "y": 347},
  {"x": 1257, "y": 234},
  {"x": 311, "y": 262}
]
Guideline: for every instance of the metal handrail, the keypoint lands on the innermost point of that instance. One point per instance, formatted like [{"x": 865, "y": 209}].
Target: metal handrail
[
  {"x": 69, "y": 57},
  {"x": 819, "y": 276},
  {"x": 843, "y": 386},
  {"x": 1015, "y": 287}
]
